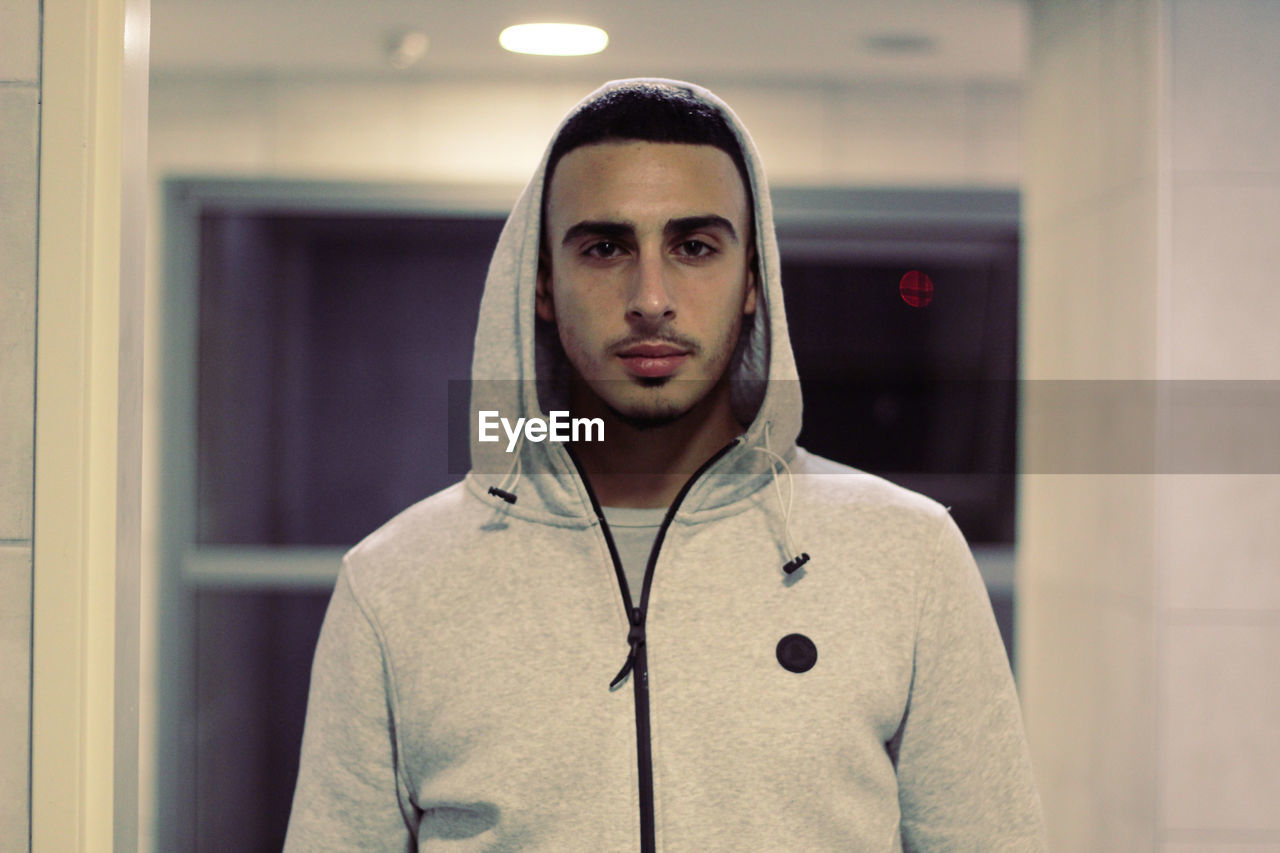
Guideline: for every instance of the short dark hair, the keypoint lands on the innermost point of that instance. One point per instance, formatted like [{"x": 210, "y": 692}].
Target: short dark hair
[{"x": 647, "y": 112}]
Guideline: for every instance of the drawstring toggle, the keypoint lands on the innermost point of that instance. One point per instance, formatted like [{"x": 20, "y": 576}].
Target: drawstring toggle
[
  {"x": 795, "y": 563},
  {"x": 801, "y": 557},
  {"x": 505, "y": 495},
  {"x": 509, "y": 493}
]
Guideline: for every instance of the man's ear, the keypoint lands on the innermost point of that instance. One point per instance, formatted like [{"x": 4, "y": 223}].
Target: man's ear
[
  {"x": 543, "y": 302},
  {"x": 753, "y": 288}
]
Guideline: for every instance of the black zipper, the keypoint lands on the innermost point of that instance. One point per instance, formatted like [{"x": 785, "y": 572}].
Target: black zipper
[{"x": 637, "y": 662}]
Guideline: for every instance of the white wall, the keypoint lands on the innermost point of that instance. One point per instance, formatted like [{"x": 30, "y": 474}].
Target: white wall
[
  {"x": 1218, "y": 596},
  {"x": 478, "y": 131},
  {"x": 1150, "y": 618},
  {"x": 19, "y": 135}
]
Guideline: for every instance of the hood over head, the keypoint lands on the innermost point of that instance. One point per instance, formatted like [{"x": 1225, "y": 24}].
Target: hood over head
[{"x": 520, "y": 370}]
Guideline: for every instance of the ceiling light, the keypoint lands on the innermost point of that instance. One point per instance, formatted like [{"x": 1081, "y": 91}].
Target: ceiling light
[
  {"x": 554, "y": 39},
  {"x": 406, "y": 49},
  {"x": 901, "y": 43}
]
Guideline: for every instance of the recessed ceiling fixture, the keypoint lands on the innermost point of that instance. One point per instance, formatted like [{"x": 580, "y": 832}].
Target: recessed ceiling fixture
[
  {"x": 901, "y": 43},
  {"x": 554, "y": 39},
  {"x": 405, "y": 49}
]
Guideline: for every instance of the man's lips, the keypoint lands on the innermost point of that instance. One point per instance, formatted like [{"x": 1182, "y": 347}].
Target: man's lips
[
  {"x": 653, "y": 360},
  {"x": 652, "y": 351}
]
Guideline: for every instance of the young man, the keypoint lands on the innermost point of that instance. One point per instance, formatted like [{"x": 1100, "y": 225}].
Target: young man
[{"x": 470, "y": 688}]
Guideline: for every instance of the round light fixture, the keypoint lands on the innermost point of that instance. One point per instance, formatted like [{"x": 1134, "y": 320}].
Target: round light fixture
[
  {"x": 406, "y": 49},
  {"x": 901, "y": 43},
  {"x": 554, "y": 39}
]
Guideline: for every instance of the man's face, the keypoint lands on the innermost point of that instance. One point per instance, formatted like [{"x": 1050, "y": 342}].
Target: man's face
[{"x": 647, "y": 274}]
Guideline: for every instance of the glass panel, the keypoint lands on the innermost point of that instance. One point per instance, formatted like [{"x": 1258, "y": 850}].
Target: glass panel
[
  {"x": 326, "y": 346},
  {"x": 253, "y": 665},
  {"x": 926, "y": 396}
]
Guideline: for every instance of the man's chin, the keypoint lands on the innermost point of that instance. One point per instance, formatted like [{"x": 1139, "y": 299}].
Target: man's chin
[
  {"x": 654, "y": 407},
  {"x": 641, "y": 417},
  {"x": 650, "y": 403}
]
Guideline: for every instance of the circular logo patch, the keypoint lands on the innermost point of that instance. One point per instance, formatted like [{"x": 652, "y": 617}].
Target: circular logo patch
[{"x": 797, "y": 653}]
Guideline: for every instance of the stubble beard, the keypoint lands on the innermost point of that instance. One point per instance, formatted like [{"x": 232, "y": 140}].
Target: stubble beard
[{"x": 661, "y": 413}]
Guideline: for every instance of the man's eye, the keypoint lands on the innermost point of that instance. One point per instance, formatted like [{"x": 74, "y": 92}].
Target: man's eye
[
  {"x": 603, "y": 249},
  {"x": 695, "y": 249}
]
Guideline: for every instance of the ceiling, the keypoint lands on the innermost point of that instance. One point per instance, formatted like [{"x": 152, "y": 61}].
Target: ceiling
[{"x": 804, "y": 42}]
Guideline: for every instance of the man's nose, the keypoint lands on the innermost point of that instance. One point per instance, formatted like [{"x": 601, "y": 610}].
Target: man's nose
[{"x": 651, "y": 295}]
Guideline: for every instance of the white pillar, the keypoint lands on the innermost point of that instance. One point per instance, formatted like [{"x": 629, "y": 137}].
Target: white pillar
[
  {"x": 88, "y": 357},
  {"x": 1149, "y": 619},
  {"x": 19, "y": 153}
]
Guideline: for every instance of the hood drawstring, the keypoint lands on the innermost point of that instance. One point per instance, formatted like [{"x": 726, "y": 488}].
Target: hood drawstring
[
  {"x": 508, "y": 493},
  {"x": 797, "y": 557}
]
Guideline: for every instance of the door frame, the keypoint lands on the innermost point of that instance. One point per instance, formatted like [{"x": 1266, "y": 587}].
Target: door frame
[{"x": 84, "y": 771}]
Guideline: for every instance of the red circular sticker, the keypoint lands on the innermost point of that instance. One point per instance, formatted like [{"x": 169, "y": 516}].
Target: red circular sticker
[{"x": 916, "y": 289}]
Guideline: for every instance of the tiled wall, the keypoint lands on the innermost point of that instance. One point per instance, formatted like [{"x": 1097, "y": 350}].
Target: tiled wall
[
  {"x": 19, "y": 133},
  {"x": 1220, "y": 595},
  {"x": 1150, "y": 624}
]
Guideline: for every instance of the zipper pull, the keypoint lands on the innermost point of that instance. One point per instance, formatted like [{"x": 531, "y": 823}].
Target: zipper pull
[{"x": 634, "y": 637}]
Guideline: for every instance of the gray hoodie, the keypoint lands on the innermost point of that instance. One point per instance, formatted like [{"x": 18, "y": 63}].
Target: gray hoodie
[{"x": 461, "y": 693}]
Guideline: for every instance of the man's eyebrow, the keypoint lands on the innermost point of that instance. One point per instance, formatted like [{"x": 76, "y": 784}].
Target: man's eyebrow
[
  {"x": 685, "y": 224},
  {"x": 608, "y": 230}
]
